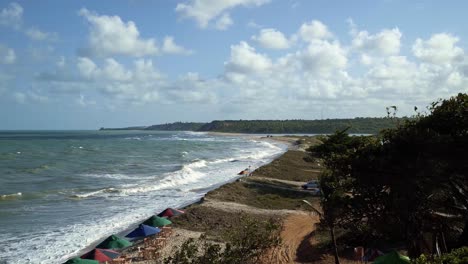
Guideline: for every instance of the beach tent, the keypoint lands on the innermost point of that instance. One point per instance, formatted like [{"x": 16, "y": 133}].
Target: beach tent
[
  {"x": 170, "y": 212},
  {"x": 101, "y": 254},
  {"x": 143, "y": 231},
  {"x": 81, "y": 261},
  {"x": 114, "y": 242},
  {"x": 157, "y": 221},
  {"x": 392, "y": 258}
]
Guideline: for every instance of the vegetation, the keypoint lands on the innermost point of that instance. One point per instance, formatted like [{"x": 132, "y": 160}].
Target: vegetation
[
  {"x": 245, "y": 243},
  {"x": 408, "y": 183},
  {"x": 177, "y": 126},
  {"x": 356, "y": 125},
  {"x": 457, "y": 256}
]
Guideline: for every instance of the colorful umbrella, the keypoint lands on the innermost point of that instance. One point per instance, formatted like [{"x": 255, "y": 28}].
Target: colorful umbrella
[
  {"x": 170, "y": 212},
  {"x": 114, "y": 242},
  {"x": 81, "y": 261},
  {"x": 101, "y": 254},
  {"x": 157, "y": 221},
  {"x": 143, "y": 231}
]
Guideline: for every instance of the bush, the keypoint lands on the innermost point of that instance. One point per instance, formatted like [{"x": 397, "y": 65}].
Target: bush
[
  {"x": 457, "y": 256},
  {"x": 244, "y": 244}
]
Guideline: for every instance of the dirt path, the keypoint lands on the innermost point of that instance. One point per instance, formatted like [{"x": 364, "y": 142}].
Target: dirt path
[{"x": 296, "y": 237}]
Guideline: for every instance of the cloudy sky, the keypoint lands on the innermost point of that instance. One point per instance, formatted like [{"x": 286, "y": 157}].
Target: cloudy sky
[{"x": 88, "y": 64}]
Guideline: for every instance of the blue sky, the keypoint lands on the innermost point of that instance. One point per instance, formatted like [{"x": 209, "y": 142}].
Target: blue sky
[{"x": 91, "y": 64}]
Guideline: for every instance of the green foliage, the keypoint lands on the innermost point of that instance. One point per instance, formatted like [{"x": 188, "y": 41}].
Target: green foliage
[
  {"x": 409, "y": 181},
  {"x": 177, "y": 126},
  {"x": 244, "y": 244},
  {"x": 356, "y": 125},
  {"x": 457, "y": 256}
]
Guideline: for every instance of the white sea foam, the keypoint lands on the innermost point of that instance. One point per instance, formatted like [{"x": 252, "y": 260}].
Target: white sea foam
[{"x": 11, "y": 196}]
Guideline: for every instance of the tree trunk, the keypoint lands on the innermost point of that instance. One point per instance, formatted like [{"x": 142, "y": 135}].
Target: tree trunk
[{"x": 335, "y": 248}]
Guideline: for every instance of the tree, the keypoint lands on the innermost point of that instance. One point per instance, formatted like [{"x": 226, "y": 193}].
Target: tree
[
  {"x": 415, "y": 180},
  {"x": 335, "y": 182}
]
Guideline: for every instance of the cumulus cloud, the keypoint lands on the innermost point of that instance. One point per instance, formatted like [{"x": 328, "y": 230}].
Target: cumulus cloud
[
  {"x": 321, "y": 75},
  {"x": 245, "y": 60},
  {"x": 439, "y": 49},
  {"x": 323, "y": 58},
  {"x": 314, "y": 30},
  {"x": 203, "y": 11},
  {"x": 12, "y": 16},
  {"x": 271, "y": 38},
  {"x": 386, "y": 42},
  {"x": 7, "y": 55},
  {"x": 169, "y": 46},
  {"x": 109, "y": 35}
]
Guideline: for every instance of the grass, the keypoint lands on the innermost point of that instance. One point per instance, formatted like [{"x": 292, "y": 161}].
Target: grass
[
  {"x": 214, "y": 222},
  {"x": 290, "y": 166}
]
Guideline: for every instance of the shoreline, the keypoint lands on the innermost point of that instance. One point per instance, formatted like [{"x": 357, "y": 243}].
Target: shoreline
[{"x": 187, "y": 204}]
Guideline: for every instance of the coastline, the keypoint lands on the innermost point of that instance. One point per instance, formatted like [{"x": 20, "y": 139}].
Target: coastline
[
  {"x": 188, "y": 203},
  {"x": 224, "y": 205}
]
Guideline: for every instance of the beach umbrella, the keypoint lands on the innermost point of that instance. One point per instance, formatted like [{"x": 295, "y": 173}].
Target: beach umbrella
[
  {"x": 143, "y": 231},
  {"x": 170, "y": 212},
  {"x": 81, "y": 261},
  {"x": 392, "y": 258},
  {"x": 114, "y": 242},
  {"x": 157, "y": 221},
  {"x": 101, "y": 254}
]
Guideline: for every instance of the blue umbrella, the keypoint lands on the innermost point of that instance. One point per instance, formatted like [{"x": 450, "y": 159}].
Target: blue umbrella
[{"x": 143, "y": 231}]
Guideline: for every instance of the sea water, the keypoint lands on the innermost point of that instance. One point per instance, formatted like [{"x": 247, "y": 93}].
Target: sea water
[{"x": 62, "y": 191}]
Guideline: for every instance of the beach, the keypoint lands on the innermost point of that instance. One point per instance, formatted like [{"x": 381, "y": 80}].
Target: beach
[{"x": 272, "y": 191}]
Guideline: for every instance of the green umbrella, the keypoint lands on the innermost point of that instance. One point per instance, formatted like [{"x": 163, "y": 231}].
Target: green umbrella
[
  {"x": 114, "y": 242},
  {"x": 157, "y": 221},
  {"x": 392, "y": 258},
  {"x": 81, "y": 261}
]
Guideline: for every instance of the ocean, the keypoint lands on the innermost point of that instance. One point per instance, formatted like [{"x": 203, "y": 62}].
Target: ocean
[{"x": 62, "y": 191}]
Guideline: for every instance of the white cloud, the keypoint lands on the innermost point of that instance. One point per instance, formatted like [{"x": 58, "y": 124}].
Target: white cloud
[
  {"x": 87, "y": 67},
  {"x": 323, "y": 58},
  {"x": 12, "y": 15},
  {"x": 7, "y": 55},
  {"x": 320, "y": 75},
  {"x": 439, "y": 49},
  {"x": 224, "y": 22},
  {"x": 271, "y": 38},
  {"x": 169, "y": 46},
  {"x": 109, "y": 35},
  {"x": 203, "y": 11},
  {"x": 36, "y": 34},
  {"x": 386, "y": 42},
  {"x": 245, "y": 60},
  {"x": 314, "y": 30}
]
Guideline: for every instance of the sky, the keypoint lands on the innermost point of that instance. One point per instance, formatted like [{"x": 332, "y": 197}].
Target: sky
[{"x": 90, "y": 64}]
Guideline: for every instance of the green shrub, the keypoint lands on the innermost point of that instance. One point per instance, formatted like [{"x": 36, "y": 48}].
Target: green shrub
[
  {"x": 457, "y": 256},
  {"x": 244, "y": 244}
]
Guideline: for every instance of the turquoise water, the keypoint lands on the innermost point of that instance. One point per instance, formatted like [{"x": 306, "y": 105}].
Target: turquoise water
[{"x": 61, "y": 191}]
